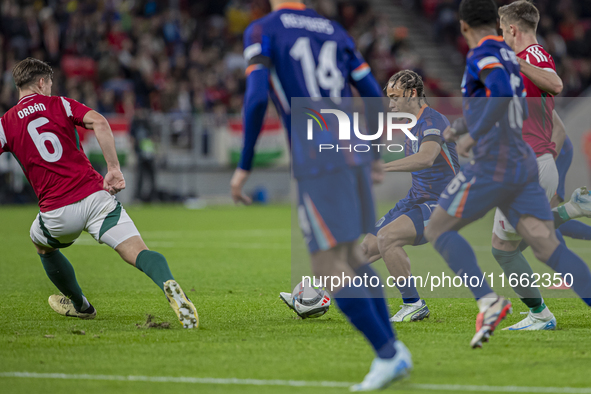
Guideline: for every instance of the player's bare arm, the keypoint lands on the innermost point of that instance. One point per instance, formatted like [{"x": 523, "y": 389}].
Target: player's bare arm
[
  {"x": 377, "y": 171},
  {"x": 424, "y": 158},
  {"x": 456, "y": 130},
  {"x": 558, "y": 131},
  {"x": 114, "y": 181},
  {"x": 546, "y": 80},
  {"x": 465, "y": 145}
]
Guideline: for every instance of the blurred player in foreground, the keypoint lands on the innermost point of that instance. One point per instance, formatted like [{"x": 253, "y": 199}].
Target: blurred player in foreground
[
  {"x": 40, "y": 131},
  {"x": 544, "y": 132},
  {"x": 503, "y": 172},
  {"x": 433, "y": 163},
  {"x": 294, "y": 52}
]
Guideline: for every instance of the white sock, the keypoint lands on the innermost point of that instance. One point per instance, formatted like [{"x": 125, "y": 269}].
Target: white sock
[{"x": 487, "y": 301}]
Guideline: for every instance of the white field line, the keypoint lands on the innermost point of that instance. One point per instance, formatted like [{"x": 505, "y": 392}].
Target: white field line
[
  {"x": 88, "y": 241},
  {"x": 290, "y": 383}
]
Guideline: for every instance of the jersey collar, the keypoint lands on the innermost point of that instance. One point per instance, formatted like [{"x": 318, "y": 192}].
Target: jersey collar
[
  {"x": 28, "y": 95},
  {"x": 489, "y": 37},
  {"x": 529, "y": 46},
  {"x": 291, "y": 6},
  {"x": 421, "y": 111}
]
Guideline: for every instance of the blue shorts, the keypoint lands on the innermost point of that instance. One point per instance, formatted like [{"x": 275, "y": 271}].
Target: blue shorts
[
  {"x": 563, "y": 162},
  {"x": 336, "y": 207},
  {"x": 419, "y": 213},
  {"x": 471, "y": 196}
]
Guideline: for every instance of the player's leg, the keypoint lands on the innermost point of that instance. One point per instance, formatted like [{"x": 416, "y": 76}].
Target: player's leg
[
  {"x": 409, "y": 294},
  {"x": 573, "y": 228},
  {"x": 576, "y": 229},
  {"x": 507, "y": 248},
  {"x": 510, "y": 257},
  {"x": 396, "y": 361},
  {"x": 49, "y": 232},
  {"x": 391, "y": 239},
  {"x": 355, "y": 302},
  {"x": 546, "y": 247},
  {"x": 369, "y": 246},
  {"x": 135, "y": 252},
  {"x": 531, "y": 215},
  {"x": 331, "y": 227},
  {"x": 370, "y": 250},
  {"x": 109, "y": 223},
  {"x": 465, "y": 199},
  {"x": 442, "y": 232},
  {"x": 357, "y": 261}
]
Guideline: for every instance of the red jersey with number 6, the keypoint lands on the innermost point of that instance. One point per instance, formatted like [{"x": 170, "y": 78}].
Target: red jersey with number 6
[
  {"x": 537, "y": 128},
  {"x": 40, "y": 131}
]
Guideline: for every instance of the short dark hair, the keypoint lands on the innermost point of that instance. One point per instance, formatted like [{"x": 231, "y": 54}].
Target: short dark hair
[
  {"x": 408, "y": 80},
  {"x": 477, "y": 13},
  {"x": 30, "y": 70},
  {"x": 522, "y": 13}
]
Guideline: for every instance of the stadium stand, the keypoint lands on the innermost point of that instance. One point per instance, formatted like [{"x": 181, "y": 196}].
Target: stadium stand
[{"x": 564, "y": 30}]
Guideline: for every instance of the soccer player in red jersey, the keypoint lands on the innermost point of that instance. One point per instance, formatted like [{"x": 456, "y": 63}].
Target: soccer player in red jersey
[
  {"x": 40, "y": 131},
  {"x": 544, "y": 132}
]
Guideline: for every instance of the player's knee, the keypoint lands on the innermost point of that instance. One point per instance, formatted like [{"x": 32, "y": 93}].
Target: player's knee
[
  {"x": 43, "y": 249},
  {"x": 503, "y": 245},
  {"x": 385, "y": 240}
]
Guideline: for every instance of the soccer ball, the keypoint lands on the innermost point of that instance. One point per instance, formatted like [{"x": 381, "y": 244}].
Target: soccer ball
[{"x": 308, "y": 301}]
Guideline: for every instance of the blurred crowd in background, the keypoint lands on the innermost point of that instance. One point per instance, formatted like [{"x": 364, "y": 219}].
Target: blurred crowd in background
[
  {"x": 564, "y": 31},
  {"x": 183, "y": 56}
]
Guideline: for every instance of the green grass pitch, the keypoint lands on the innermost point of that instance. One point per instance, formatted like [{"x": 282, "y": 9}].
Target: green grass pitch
[{"x": 233, "y": 262}]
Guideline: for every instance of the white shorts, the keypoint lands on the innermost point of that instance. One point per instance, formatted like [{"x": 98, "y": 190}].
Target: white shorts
[
  {"x": 99, "y": 214},
  {"x": 548, "y": 174}
]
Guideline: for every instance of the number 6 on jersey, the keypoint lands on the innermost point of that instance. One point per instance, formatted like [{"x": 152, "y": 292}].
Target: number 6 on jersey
[{"x": 40, "y": 138}]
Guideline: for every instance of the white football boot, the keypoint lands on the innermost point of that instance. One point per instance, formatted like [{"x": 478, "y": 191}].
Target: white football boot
[
  {"x": 544, "y": 320},
  {"x": 580, "y": 202},
  {"x": 64, "y": 306},
  {"x": 494, "y": 313},
  {"x": 383, "y": 372},
  {"x": 286, "y": 297},
  {"x": 181, "y": 305},
  {"x": 411, "y": 312}
]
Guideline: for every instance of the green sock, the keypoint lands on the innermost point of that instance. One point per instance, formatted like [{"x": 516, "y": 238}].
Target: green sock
[
  {"x": 155, "y": 266},
  {"x": 538, "y": 309},
  {"x": 515, "y": 263},
  {"x": 61, "y": 273}
]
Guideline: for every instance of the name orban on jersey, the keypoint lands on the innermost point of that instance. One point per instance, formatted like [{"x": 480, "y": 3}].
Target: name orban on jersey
[{"x": 30, "y": 110}]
